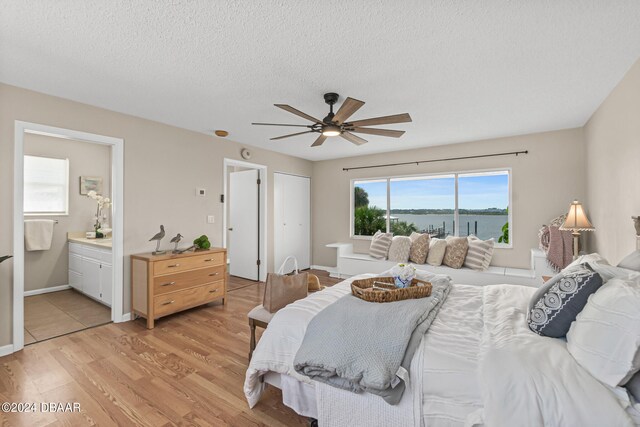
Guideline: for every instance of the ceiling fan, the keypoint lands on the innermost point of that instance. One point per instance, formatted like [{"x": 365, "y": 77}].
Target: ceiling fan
[{"x": 337, "y": 124}]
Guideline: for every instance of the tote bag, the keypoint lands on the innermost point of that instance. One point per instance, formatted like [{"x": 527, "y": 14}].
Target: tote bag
[{"x": 283, "y": 289}]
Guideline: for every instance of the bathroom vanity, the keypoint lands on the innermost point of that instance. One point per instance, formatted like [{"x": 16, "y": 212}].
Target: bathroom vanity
[{"x": 91, "y": 267}]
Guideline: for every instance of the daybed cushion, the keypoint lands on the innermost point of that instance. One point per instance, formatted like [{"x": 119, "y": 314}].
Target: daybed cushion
[
  {"x": 605, "y": 338},
  {"x": 555, "y": 305},
  {"x": 399, "y": 249},
  {"x": 437, "y": 248},
  {"x": 631, "y": 261},
  {"x": 479, "y": 254},
  {"x": 419, "y": 247},
  {"x": 456, "y": 251},
  {"x": 380, "y": 243}
]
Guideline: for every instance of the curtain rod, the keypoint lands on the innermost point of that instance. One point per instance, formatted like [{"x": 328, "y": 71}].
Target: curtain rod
[{"x": 511, "y": 153}]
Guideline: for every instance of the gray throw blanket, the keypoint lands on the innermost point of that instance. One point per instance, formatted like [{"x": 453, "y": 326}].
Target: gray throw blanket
[{"x": 367, "y": 347}]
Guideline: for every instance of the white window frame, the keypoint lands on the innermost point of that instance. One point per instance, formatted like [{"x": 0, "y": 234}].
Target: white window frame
[
  {"x": 456, "y": 215},
  {"x": 66, "y": 201}
]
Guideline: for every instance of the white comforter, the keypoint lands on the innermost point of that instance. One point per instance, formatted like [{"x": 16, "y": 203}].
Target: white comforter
[
  {"x": 477, "y": 365},
  {"x": 528, "y": 380}
]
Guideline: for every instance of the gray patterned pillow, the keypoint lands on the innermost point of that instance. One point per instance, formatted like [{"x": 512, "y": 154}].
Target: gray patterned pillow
[
  {"x": 456, "y": 251},
  {"x": 380, "y": 243},
  {"x": 419, "y": 248},
  {"x": 399, "y": 249},
  {"x": 556, "y": 304}
]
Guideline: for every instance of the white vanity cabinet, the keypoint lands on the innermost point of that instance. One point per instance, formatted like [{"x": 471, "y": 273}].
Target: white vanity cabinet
[{"x": 90, "y": 271}]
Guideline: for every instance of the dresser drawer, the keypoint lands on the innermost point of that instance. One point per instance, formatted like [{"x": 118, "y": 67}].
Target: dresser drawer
[
  {"x": 171, "y": 266},
  {"x": 187, "y": 279},
  {"x": 176, "y": 301},
  {"x": 213, "y": 291}
]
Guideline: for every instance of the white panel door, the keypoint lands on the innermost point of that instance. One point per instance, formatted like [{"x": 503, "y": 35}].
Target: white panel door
[
  {"x": 106, "y": 284},
  {"x": 292, "y": 219},
  {"x": 242, "y": 244},
  {"x": 91, "y": 278}
]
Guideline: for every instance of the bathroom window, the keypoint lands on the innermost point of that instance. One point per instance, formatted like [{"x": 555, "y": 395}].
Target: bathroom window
[{"x": 46, "y": 186}]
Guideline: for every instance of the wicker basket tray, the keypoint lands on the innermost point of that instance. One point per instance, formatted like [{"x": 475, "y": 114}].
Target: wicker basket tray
[{"x": 383, "y": 289}]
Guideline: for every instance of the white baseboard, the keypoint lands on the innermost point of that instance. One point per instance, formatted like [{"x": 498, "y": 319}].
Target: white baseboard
[
  {"x": 126, "y": 317},
  {"x": 46, "y": 290},
  {"x": 6, "y": 350}
]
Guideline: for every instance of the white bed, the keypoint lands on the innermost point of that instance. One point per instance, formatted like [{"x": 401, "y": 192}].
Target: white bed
[{"x": 449, "y": 385}]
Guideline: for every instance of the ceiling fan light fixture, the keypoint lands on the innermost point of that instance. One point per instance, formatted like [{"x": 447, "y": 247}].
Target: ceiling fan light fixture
[{"x": 331, "y": 130}]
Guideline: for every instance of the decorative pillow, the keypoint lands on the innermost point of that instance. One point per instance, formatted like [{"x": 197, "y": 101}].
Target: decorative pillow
[
  {"x": 557, "y": 303},
  {"x": 605, "y": 338},
  {"x": 399, "y": 249},
  {"x": 479, "y": 254},
  {"x": 419, "y": 248},
  {"x": 437, "y": 248},
  {"x": 380, "y": 243},
  {"x": 631, "y": 261},
  {"x": 456, "y": 251}
]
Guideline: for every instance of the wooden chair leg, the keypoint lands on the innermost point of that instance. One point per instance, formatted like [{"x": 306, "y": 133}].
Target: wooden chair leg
[{"x": 252, "y": 343}]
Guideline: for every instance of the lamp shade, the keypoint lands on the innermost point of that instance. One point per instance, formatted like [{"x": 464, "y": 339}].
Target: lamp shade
[{"x": 576, "y": 219}]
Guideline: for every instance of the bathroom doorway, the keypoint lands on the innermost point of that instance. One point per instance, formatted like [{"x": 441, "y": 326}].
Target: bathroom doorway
[{"x": 68, "y": 232}]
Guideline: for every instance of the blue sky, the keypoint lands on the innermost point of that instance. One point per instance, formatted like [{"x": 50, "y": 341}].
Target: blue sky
[{"x": 475, "y": 192}]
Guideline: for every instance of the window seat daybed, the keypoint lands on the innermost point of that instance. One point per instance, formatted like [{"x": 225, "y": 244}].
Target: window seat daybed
[{"x": 350, "y": 264}]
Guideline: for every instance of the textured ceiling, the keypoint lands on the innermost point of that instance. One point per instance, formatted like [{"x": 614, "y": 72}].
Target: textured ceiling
[{"x": 464, "y": 70}]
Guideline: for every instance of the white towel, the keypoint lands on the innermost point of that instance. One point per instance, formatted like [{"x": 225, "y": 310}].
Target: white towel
[{"x": 38, "y": 234}]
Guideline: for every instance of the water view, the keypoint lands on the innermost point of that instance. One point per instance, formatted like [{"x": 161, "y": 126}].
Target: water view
[{"x": 488, "y": 226}]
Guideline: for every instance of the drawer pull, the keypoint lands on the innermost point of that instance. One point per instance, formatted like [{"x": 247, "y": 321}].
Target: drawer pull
[
  {"x": 213, "y": 291},
  {"x": 173, "y": 265},
  {"x": 208, "y": 260},
  {"x": 168, "y": 302},
  {"x": 214, "y": 274},
  {"x": 168, "y": 284}
]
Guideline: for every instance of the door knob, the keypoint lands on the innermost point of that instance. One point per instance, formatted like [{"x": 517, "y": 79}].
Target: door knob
[{"x": 230, "y": 229}]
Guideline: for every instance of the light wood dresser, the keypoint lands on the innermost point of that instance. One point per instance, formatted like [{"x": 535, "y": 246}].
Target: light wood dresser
[{"x": 166, "y": 284}]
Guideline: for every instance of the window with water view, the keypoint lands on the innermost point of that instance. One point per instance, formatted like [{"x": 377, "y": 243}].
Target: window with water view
[{"x": 427, "y": 204}]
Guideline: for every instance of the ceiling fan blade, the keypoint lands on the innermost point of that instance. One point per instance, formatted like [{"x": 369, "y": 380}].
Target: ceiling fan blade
[
  {"x": 353, "y": 138},
  {"x": 280, "y": 124},
  {"x": 318, "y": 142},
  {"x": 381, "y": 132},
  {"x": 291, "y": 134},
  {"x": 290, "y": 109},
  {"x": 386, "y": 120},
  {"x": 348, "y": 107}
]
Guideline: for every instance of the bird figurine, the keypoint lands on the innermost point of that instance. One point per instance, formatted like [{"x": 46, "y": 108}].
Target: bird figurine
[
  {"x": 158, "y": 237},
  {"x": 176, "y": 240}
]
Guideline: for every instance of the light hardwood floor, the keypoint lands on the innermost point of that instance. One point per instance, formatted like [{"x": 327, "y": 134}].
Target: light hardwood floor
[
  {"x": 189, "y": 370},
  {"x": 59, "y": 313}
]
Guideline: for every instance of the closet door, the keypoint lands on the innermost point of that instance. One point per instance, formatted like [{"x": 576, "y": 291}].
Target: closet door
[{"x": 292, "y": 217}]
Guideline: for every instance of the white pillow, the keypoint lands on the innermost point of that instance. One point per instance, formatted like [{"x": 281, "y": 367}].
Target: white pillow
[
  {"x": 605, "y": 337},
  {"x": 590, "y": 258},
  {"x": 631, "y": 261},
  {"x": 437, "y": 249}
]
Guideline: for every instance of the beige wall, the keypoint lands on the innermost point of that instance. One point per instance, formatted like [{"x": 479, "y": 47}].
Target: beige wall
[
  {"x": 45, "y": 269},
  {"x": 613, "y": 168},
  {"x": 544, "y": 182},
  {"x": 163, "y": 167}
]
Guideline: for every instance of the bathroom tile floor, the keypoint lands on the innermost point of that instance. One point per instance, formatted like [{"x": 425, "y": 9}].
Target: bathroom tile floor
[{"x": 59, "y": 313}]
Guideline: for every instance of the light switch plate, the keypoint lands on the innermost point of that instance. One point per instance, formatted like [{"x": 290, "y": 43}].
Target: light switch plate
[
  {"x": 210, "y": 219},
  {"x": 202, "y": 192}
]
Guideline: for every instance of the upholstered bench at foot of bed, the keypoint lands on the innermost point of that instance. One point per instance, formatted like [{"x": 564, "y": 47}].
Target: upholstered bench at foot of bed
[
  {"x": 260, "y": 317},
  {"x": 350, "y": 264}
]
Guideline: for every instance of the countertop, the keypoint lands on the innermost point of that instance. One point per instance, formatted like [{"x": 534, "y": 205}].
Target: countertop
[{"x": 101, "y": 243}]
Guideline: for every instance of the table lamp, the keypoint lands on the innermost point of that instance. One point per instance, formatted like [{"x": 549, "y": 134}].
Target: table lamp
[{"x": 576, "y": 222}]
